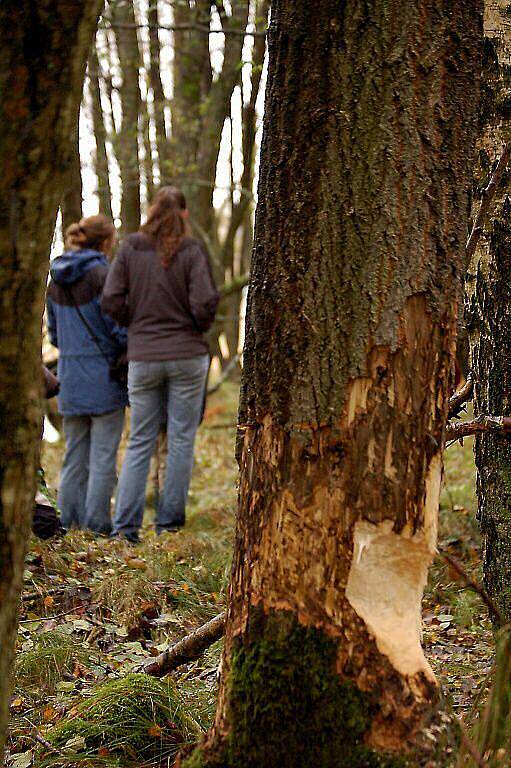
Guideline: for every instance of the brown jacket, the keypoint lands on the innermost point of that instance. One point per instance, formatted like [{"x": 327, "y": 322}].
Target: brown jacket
[{"x": 166, "y": 309}]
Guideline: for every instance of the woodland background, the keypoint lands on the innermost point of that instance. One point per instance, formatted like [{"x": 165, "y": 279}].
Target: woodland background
[{"x": 174, "y": 92}]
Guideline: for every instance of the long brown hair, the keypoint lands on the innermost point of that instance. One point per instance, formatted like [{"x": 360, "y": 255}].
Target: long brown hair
[
  {"x": 165, "y": 222},
  {"x": 90, "y": 232}
]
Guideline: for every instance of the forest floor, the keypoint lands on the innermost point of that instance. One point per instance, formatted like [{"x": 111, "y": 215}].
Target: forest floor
[{"x": 94, "y": 610}]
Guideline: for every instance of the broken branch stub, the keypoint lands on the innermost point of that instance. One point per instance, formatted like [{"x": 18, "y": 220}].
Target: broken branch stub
[{"x": 483, "y": 423}]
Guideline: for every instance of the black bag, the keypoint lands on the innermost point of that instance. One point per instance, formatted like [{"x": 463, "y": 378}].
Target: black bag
[
  {"x": 119, "y": 371},
  {"x": 46, "y": 522}
]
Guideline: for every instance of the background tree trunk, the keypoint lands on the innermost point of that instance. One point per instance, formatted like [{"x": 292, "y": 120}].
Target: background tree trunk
[
  {"x": 100, "y": 136},
  {"x": 127, "y": 139},
  {"x": 488, "y": 310},
  {"x": 71, "y": 205},
  {"x": 162, "y": 142},
  {"x": 369, "y": 124},
  {"x": 42, "y": 64}
]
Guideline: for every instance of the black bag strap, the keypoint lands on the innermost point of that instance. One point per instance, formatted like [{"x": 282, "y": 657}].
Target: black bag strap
[{"x": 86, "y": 325}]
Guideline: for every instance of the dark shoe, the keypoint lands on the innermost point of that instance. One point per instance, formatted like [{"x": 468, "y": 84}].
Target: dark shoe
[
  {"x": 130, "y": 538},
  {"x": 170, "y": 529}
]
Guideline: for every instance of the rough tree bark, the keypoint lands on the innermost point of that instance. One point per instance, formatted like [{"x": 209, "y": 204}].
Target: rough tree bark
[
  {"x": 42, "y": 64},
  {"x": 488, "y": 312},
  {"x": 360, "y": 233},
  {"x": 127, "y": 138}
]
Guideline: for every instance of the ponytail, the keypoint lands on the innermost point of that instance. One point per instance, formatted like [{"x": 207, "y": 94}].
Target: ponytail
[{"x": 90, "y": 232}]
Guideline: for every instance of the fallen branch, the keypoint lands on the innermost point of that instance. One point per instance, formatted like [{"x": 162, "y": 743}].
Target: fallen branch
[
  {"x": 188, "y": 649},
  {"x": 29, "y": 596},
  {"x": 482, "y": 423},
  {"x": 487, "y": 196},
  {"x": 460, "y": 397},
  {"x": 473, "y": 585},
  {"x": 225, "y": 374},
  {"x": 36, "y": 736}
]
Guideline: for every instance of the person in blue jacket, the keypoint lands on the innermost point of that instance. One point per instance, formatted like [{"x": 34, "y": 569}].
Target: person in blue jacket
[{"x": 91, "y": 399}]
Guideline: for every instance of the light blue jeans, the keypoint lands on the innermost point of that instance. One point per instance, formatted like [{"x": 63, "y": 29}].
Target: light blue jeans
[
  {"x": 172, "y": 386},
  {"x": 89, "y": 474}
]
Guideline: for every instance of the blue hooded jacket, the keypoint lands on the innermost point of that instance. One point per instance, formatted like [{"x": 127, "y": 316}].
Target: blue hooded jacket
[{"x": 86, "y": 387}]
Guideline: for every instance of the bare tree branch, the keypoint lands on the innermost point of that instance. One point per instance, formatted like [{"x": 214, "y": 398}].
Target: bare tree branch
[
  {"x": 473, "y": 585},
  {"x": 460, "y": 397},
  {"x": 225, "y": 374},
  {"x": 107, "y": 24},
  {"x": 487, "y": 196}
]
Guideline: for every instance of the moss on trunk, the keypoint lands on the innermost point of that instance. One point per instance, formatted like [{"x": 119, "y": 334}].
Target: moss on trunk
[{"x": 286, "y": 678}]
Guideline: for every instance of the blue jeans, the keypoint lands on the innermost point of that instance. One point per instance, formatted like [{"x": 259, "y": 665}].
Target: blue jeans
[
  {"x": 177, "y": 387},
  {"x": 88, "y": 474}
]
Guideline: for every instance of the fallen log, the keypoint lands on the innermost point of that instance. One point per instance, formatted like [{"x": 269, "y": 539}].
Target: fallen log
[{"x": 188, "y": 649}]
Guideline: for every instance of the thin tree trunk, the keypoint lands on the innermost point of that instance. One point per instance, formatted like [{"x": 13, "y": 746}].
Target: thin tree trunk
[
  {"x": 162, "y": 142},
  {"x": 192, "y": 82},
  {"x": 488, "y": 310},
  {"x": 127, "y": 138},
  {"x": 145, "y": 128},
  {"x": 100, "y": 135},
  {"x": 215, "y": 111},
  {"x": 71, "y": 205},
  {"x": 241, "y": 215},
  {"x": 42, "y": 64},
  {"x": 369, "y": 123}
]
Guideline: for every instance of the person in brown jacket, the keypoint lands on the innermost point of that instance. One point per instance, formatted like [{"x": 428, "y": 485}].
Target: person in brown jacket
[{"x": 161, "y": 288}]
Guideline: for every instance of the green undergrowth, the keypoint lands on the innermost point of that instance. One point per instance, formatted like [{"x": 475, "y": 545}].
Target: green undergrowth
[
  {"x": 137, "y": 717},
  {"x": 54, "y": 654}
]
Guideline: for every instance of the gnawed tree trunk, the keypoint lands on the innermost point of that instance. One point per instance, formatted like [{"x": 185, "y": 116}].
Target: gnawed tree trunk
[
  {"x": 360, "y": 230},
  {"x": 127, "y": 139},
  {"x": 100, "y": 136},
  {"x": 488, "y": 310},
  {"x": 42, "y": 64}
]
